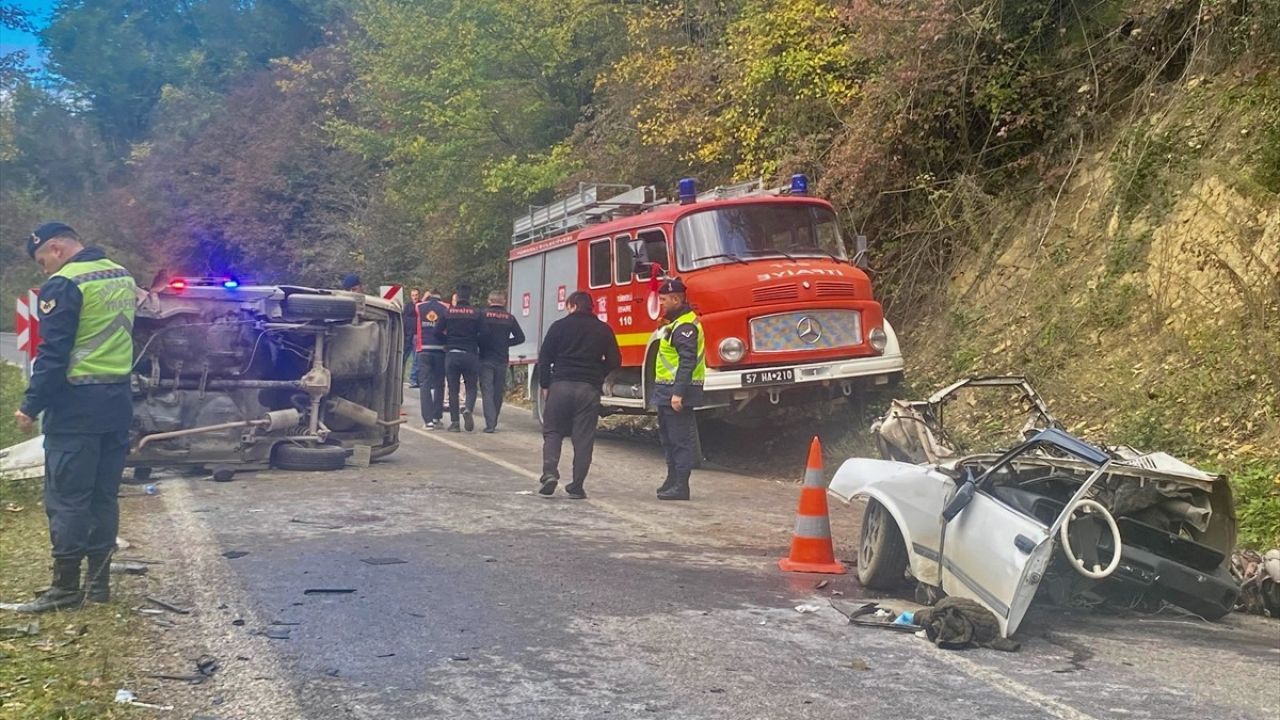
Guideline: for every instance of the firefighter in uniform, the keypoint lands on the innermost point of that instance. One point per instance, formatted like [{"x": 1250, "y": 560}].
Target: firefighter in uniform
[
  {"x": 81, "y": 384},
  {"x": 679, "y": 374},
  {"x": 430, "y": 344}
]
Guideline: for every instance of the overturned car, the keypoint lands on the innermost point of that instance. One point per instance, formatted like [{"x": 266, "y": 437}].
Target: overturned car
[
  {"x": 1054, "y": 517},
  {"x": 249, "y": 377}
]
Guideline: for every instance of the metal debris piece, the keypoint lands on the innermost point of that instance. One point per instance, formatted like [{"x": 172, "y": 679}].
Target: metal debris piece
[
  {"x": 167, "y": 606},
  {"x": 383, "y": 561},
  {"x": 822, "y": 584},
  {"x": 278, "y": 633},
  {"x": 20, "y": 630},
  {"x": 128, "y": 568},
  {"x": 460, "y": 658},
  {"x": 316, "y": 523},
  {"x": 127, "y": 697},
  {"x": 328, "y": 591},
  {"x": 234, "y": 554}
]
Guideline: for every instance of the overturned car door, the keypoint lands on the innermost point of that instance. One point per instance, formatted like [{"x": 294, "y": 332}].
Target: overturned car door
[{"x": 995, "y": 554}]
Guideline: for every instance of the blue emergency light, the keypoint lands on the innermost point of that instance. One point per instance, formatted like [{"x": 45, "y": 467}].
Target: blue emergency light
[
  {"x": 688, "y": 191},
  {"x": 799, "y": 184},
  {"x": 231, "y": 283}
]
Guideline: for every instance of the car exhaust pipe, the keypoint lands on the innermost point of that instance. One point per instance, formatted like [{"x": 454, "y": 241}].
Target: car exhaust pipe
[{"x": 354, "y": 412}]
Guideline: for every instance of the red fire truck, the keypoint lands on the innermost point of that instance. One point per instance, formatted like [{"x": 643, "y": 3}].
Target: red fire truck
[{"x": 788, "y": 318}]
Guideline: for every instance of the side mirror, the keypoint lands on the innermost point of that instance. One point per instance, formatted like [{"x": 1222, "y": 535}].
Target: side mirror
[{"x": 963, "y": 497}]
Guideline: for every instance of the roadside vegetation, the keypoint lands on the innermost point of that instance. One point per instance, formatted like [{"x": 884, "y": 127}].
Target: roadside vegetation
[{"x": 1082, "y": 192}]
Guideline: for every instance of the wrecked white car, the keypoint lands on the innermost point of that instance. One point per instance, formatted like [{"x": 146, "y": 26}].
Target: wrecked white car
[
  {"x": 1053, "y": 517},
  {"x": 248, "y": 377}
]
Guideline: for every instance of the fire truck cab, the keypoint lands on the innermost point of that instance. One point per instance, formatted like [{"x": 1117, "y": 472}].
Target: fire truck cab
[{"x": 788, "y": 318}]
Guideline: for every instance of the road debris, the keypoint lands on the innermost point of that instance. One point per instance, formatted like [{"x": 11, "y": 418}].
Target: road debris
[
  {"x": 128, "y": 568},
  {"x": 956, "y": 623},
  {"x": 13, "y": 507},
  {"x": 460, "y": 658},
  {"x": 127, "y": 697},
  {"x": 822, "y": 584},
  {"x": 167, "y": 606},
  {"x": 278, "y": 632},
  {"x": 383, "y": 561},
  {"x": 328, "y": 591},
  {"x": 8, "y": 632},
  {"x": 235, "y": 554},
  {"x": 859, "y": 664},
  {"x": 1259, "y": 578},
  {"x": 316, "y": 523},
  {"x": 808, "y": 608}
]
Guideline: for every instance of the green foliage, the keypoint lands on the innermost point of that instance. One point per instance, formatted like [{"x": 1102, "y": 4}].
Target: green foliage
[
  {"x": 12, "y": 385},
  {"x": 1255, "y": 485},
  {"x": 1143, "y": 161}
]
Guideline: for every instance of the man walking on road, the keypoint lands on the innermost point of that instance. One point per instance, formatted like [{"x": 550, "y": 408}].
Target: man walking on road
[
  {"x": 501, "y": 333},
  {"x": 410, "y": 318},
  {"x": 81, "y": 384},
  {"x": 577, "y": 355},
  {"x": 462, "y": 325},
  {"x": 679, "y": 374},
  {"x": 430, "y": 343}
]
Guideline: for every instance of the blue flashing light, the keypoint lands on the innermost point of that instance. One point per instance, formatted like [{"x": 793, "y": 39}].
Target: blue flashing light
[
  {"x": 688, "y": 191},
  {"x": 231, "y": 283},
  {"x": 799, "y": 184}
]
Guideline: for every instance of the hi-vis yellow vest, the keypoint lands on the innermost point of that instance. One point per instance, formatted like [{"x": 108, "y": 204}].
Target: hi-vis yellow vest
[
  {"x": 669, "y": 357},
  {"x": 103, "y": 351}
]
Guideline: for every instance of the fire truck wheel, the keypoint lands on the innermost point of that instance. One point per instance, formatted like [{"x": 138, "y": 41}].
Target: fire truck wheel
[{"x": 319, "y": 307}]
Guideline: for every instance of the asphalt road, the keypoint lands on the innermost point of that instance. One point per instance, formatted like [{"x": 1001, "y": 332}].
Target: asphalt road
[{"x": 497, "y": 603}]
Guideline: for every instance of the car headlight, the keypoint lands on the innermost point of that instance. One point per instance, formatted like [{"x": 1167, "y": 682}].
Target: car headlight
[
  {"x": 732, "y": 349},
  {"x": 879, "y": 339}
]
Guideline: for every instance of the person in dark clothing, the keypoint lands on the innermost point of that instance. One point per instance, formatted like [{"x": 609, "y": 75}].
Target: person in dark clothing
[
  {"x": 577, "y": 354},
  {"x": 501, "y": 332},
  {"x": 81, "y": 385},
  {"x": 430, "y": 344},
  {"x": 410, "y": 317},
  {"x": 678, "y": 378},
  {"x": 462, "y": 325},
  {"x": 351, "y": 283}
]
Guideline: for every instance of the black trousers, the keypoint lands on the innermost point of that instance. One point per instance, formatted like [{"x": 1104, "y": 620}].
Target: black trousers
[
  {"x": 493, "y": 386},
  {"x": 677, "y": 432},
  {"x": 431, "y": 389},
  {"x": 81, "y": 480},
  {"x": 461, "y": 366},
  {"x": 572, "y": 410}
]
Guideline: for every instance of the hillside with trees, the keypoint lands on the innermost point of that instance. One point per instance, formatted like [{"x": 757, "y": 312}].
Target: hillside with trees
[{"x": 1088, "y": 192}]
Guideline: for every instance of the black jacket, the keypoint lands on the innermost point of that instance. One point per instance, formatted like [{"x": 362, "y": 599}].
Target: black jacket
[
  {"x": 462, "y": 324},
  {"x": 410, "y": 317},
  {"x": 70, "y": 408},
  {"x": 431, "y": 315},
  {"x": 500, "y": 333},
  {"x": 578, "y": 348}
]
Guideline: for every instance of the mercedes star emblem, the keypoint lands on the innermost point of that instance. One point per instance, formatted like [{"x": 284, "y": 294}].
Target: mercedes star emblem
[{"x": 809, "y": 330}]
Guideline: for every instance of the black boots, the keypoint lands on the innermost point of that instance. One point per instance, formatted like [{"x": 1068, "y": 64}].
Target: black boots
[
  {"x": 97, "y": 579},
  {"x": 64, "y": 593},
  {"x": 679, "y": 490},
  {"x": 670, "y": 482}
]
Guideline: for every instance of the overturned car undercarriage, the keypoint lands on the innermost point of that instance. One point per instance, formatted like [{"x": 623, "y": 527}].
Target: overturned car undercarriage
[
  {"x": 261, "y": 376},
  {"x": 1051, "y": 514}
]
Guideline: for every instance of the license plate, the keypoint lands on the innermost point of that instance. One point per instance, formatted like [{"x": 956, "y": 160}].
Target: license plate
[{"x": 769, "y": 377}]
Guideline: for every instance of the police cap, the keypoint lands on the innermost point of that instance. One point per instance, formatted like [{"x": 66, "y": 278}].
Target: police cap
[
  {"x": 668, "y": 287},
  {"x": 45, "y": 233},
  {"x": 350, "y": 281}
]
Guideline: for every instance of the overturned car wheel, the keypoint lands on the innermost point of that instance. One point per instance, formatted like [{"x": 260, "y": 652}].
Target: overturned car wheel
[
  {"x": 299, "y": 457},
  {"x": 319, "y": 307},
  {"x": 882, "y": 555}
]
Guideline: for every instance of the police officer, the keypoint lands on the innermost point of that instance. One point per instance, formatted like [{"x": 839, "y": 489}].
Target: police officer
[
  {"x": 81, "y": 384},
  {"x": 501, "y": 333},
  {"x": 678, "y": 376},
  {"x": 462, "y": 326},
  {"x": 430, "y": 344}
]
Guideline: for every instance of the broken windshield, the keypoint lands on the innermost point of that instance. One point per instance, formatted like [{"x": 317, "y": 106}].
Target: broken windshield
[{"x": 726, "y": 234}]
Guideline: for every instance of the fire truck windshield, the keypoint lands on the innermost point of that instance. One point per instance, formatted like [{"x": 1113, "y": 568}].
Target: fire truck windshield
[{"x": 731, "y": 234}]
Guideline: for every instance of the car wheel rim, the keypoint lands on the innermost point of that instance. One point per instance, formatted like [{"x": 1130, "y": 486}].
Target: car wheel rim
[{"x": 871, "y": 530}]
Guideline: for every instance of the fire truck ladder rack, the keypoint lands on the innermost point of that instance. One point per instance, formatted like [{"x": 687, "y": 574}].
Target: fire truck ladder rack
[{"x": 580, "y": 209}]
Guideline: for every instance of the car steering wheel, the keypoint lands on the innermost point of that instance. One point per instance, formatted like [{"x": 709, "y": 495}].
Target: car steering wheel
[{"x": 1091, "y": 507}]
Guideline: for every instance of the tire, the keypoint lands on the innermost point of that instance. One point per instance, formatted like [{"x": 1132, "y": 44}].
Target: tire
[
  {"x": 288, "y": 456},
  {"x": 320, "y": 307},
  {"x": 882, "y": 554}
]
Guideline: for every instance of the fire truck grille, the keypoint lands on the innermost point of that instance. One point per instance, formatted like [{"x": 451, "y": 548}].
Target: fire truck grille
[
  {"x": 811, "y": 330},
  {"x": 775, "y": 293},
  {"x": 833, "y": 289}
]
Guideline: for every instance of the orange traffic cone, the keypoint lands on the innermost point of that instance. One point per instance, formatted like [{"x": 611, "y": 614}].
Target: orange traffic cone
[{"x": 811, "y": 549}]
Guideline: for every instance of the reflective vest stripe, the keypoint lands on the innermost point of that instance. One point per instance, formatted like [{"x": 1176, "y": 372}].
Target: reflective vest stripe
[{"x": 103, "y": 349}]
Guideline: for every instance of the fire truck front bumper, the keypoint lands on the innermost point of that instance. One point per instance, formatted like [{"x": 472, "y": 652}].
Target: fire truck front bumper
[{"x": 844, "y": 376}]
